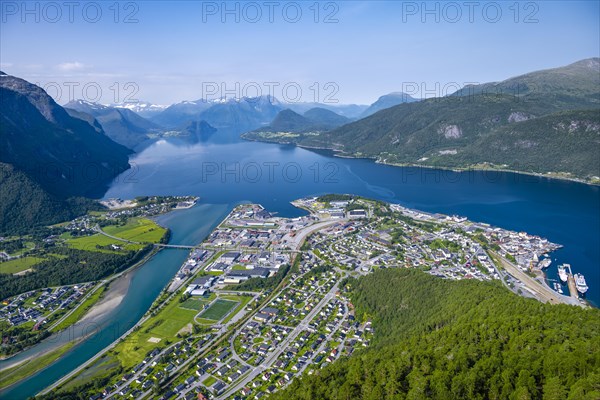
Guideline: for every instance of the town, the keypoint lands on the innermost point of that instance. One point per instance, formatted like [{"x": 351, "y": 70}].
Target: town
[
  {"x": 262, "y": 300},
  {"x": 112, "y": 239}
]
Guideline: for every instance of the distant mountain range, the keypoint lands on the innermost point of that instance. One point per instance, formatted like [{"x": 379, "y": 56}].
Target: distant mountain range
[
  {"x": 387, "y": 101},
  {"x": 197, "y": 131},
  {"x": 50, "y": 154},
  {"x": 243, "y": 114},
  {"x": 122, "y": 125},
  {"x": 142, "y": 108},
  {"x": 179, "y": 114},
  {"x": 290, "y": 124},
  {"x": 350, "y": 111},
  {"x": 541, "y": 122}
]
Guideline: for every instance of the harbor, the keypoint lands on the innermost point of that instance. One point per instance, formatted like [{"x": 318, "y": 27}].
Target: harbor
[{"x": 575, "y": 282}]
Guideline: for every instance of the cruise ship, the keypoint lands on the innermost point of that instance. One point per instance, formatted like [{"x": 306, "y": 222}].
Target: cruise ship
[
  {"x": 562, "y": 272},
  {"x": 545, "y": 263},
  {"x": 582, "y": 287}
]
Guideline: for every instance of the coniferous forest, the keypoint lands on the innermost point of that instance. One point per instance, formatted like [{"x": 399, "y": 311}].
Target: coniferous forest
[{"x": 443, "y": 339}]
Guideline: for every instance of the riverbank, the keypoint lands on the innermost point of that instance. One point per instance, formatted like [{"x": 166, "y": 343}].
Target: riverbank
[
  {"x": 13, "y": 375},
  {"x": 111, "y": 299},
  {"x": 118, "y": 287}
]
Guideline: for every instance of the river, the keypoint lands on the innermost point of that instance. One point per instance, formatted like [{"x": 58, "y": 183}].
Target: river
[{"x": 226, "y": 171}]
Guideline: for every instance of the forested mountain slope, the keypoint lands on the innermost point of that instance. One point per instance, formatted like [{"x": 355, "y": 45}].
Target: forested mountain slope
[{"x": 443, "y": 339}]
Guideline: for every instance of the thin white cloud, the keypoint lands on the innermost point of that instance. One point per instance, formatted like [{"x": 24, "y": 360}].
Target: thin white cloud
[
  {"x": 71, "y": 66},
  {"x": 6, "y": 65}
]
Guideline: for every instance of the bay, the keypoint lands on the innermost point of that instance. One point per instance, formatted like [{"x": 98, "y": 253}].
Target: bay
[{"x": 225, "y": 171}]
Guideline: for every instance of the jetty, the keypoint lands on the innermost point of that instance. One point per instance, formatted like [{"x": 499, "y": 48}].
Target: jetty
[{"x": 571, "y": 282}]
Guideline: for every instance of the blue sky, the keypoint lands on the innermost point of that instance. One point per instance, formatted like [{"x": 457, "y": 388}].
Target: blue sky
[{"x": 184, "y": 50}]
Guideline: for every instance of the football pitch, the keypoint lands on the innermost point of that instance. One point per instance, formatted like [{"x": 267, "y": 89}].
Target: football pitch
[{"x": 218, "y": 309}]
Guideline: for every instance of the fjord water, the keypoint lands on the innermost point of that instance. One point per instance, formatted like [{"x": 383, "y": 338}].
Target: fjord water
[
  {"x": 230, "y": 171},
  {"x": 226, "y": 171}
]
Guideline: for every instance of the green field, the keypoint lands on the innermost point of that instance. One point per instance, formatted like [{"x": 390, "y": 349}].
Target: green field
[
  {"x": 218, "y": 309},
  {"x": 164, "y": 326},
  {"x": 137, "y": 230},
  {"x": 193, "y": 304},
  {"x": 241, "y": 300},
  {"x": 19, "y": 264},
  {"x": 89, "y": 243},
  {"x": 211, "y": 380}
]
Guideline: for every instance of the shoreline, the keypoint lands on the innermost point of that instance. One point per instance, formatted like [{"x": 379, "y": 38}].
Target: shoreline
[
  {"x": 114, "y": 295},
  {"x": 378, "y": 160},
  {"x": 112, "y": 298}
]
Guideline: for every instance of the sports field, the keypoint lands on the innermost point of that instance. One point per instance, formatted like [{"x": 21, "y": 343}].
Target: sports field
[
  {"x": 218, "y": 309},
  {"x": 193, "y": 304}
]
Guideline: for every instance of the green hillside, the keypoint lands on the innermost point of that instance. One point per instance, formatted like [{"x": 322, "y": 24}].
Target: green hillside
[
  {"x": 438, "y": 339},
  {"x": 291, "y": 127},
  {"x": 64, "y": 155},
  {"x": 543, "y": 122},
  {"x": 24, "y": 204}
]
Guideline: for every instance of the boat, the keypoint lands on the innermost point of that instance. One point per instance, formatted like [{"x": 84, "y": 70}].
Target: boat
[
  {"x": 562, "y": 273},
  {"x": 558, "y": 288},
  {"x": 545, "y": 263},
  {"x": 582, "y": 286}
]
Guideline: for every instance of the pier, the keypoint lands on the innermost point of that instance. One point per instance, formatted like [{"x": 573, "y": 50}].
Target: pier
[{"x": 571, "y": 283}]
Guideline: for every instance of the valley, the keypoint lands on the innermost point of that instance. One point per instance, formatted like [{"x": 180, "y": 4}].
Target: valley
[
  {"x": 317, "y": 200},
  {"x": 212, "y": 334}
]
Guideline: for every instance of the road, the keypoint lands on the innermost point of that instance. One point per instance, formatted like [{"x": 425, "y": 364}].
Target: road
[
  {"x": 281, "y": 346},
  {"x": 544, "y": 293},
  {"x": 80, "y": 301}
]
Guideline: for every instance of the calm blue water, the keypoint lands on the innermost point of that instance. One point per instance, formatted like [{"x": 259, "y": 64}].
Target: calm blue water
[
  {"x": 565, "y": 212},
  {"x": 226, "y": 171}
]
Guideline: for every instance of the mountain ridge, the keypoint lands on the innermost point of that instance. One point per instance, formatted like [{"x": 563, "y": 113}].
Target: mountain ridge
[
  {"x": 51, "y": 154},
  {"x": 120, "y": 124},
  {"x": 471, "y": 129}
]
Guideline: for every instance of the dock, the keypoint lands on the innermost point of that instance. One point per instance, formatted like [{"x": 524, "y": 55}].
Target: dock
[{"x": 571, "y": 283}]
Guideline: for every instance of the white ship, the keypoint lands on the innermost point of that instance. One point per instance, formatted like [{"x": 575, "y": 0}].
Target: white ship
[
  {"x": 545, "y": 263},
  {"x": 582, "y": 287},
  {"x": 562, "y": 272},
  {"x": 558, "y": 288}
]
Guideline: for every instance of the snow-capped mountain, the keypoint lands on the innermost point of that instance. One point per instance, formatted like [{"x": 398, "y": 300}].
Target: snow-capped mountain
[
  {"x": 142, "y": 108},
  {"x": 121, "y": 124},
  {"x": 225, "y": 112}
]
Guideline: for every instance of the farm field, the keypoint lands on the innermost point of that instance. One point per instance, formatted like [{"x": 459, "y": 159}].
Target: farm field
[
  {"x": 89, "y": 243},
  {"x": 18, "y": 264},
  {"x": 137, "y": 230}
]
